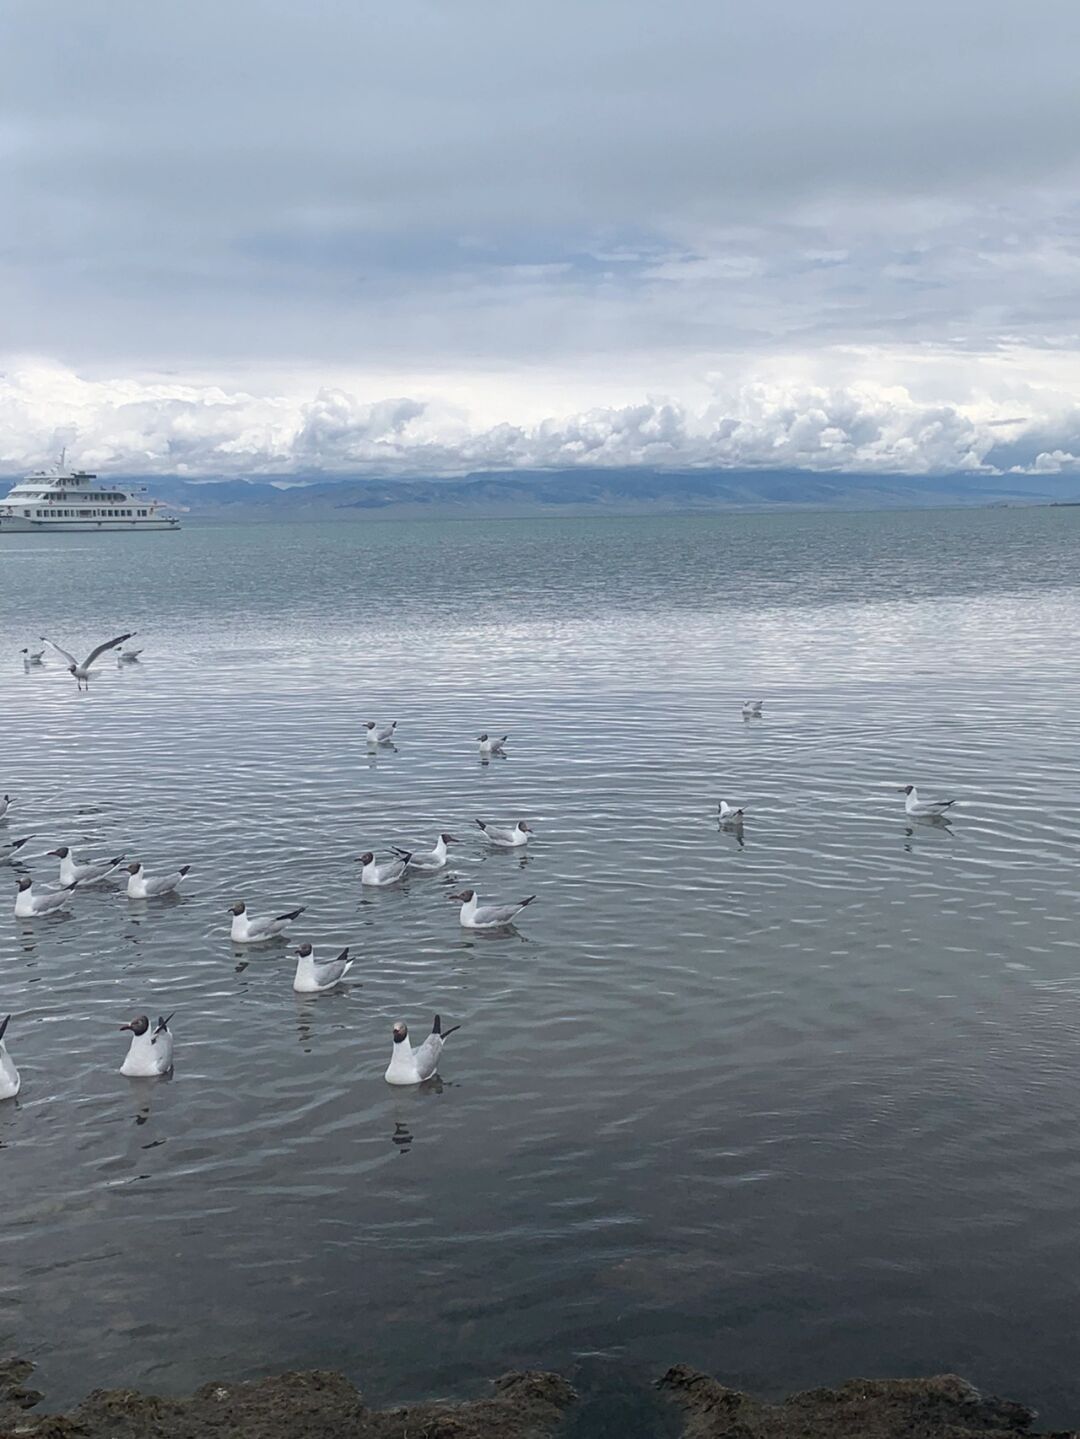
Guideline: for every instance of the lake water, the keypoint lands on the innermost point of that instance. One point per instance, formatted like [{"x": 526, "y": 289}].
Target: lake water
[{"x": 789, "y": 1110}]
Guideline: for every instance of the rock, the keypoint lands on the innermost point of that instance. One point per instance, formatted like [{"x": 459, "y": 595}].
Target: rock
[
  {"x": 314, "y": 1405},
  {"x": 945, "y": 1407}
]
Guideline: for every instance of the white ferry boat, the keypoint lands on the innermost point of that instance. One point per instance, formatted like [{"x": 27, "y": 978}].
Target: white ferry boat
[{"x": 61, "y": 499}]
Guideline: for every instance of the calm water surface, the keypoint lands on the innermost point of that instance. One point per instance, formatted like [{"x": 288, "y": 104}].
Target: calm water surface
[{"x": 789, "y": 1110}]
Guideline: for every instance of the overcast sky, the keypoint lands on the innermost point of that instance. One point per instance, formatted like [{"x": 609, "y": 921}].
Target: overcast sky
[{"x": 428, "y": 236}]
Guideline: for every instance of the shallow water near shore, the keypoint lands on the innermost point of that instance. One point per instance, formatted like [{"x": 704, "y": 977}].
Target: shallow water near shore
[{"x": 786, "y": 1109}]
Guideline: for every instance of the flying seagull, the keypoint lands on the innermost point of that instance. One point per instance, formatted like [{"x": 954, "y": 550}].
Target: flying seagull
[{"x": 82, "y": 671}]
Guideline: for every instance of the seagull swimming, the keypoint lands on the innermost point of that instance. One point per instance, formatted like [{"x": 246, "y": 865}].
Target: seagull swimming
[
  {"x": 82, "y": 671},
  {"x": 730, "y": 815},
  {"x": 426, "y": 861},
  {"x": 129, "y": 656},
  {"x": 9, "y": 851},
  {"x": 474, "y": 915},
  {"x": 151, "y": 1050},
  {"x": 10, "y": 1082},
  {"x": 141, "y": 886},
  {"x": 413, "y": 1066},
  {"x": 752, "y": 708},
  {"x": 72, "y": 872},
  {"x": 389, "y": 872},
  {"x": 375, "y": 735},
  {"x": 921, "y": 808},
  {"x": 506, "y": 836},
  {"x": 5, "y": 804},
  {"x": 255, "y": 931},
  {"x": 489, "y": 744},
  {"x": 29, "y": 905},
  {"x": 314, "y": 975},
  {"x": 32, "y": 657}
]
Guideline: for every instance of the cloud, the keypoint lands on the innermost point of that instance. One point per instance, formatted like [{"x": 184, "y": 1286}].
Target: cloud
[
  {"x": 206, "y": 431},
  {"x": 464, "y": 204}
]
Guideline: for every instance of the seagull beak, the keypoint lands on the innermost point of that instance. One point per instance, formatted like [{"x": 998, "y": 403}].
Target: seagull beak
[
  {"x": 55, "y": 852},
  {"x": 123, "y": 1027}
]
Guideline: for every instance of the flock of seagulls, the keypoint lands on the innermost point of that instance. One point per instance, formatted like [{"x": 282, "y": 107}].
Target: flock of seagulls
[{"x": 150, "y": 1051}]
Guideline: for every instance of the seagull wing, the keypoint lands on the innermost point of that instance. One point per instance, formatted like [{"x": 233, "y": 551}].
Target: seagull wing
[
  {"x": 67, "y": 655},
  {"x": 108, "y": 645},
  {"x": 426, "y": 1057},
  {"x": 499, "y": 835},
  {"x": 497, "y": 913},
  {"x": 330, "y": 971}
]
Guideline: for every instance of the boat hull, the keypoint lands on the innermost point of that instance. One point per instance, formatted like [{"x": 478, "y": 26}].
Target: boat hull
[{"x": 15, "y": 524}]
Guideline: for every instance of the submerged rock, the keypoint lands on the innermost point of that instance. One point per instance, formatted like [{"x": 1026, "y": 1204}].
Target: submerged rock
[
  {"x": 313, "y": 1405},
  {"x": 945, "y": 1407}
]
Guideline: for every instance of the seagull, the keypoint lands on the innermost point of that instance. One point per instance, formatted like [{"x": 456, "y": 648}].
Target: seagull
[
  {"x": 255, "y": 931},
  {"x": 10, "y": 1083},
  {"x": 151, "y": 1050},
  {"x": 5, "y": 804},
  {"x": 141, "y": 886},
  {"x": 427, "y": 861},
  {"x": 490, "y": 745},
  {"x": 752, "y": 709},
  {"x": 730, "y": 815},
  {"x": 314, "y": 975},
  {"x": 29, "y": 905},
  {"x": 505, "y": 836},
  {"x": 85, "y": 874},
  {"x": 375, "y": 735},
  {"x": 9, "y": 851},
  {"x": 82, "y": 671},
  {"x": 413, "y": 1066},
  {"x": 921, "y": 808},
  {"x": 383, "y": 874},
  {"x": 32, "y": 657},
  {"x": 488, "y": 916},
  {"x": 129, "y": 656}
]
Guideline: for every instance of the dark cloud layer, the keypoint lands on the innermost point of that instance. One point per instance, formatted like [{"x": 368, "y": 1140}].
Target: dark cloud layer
[{"x": 584, "y": 205}]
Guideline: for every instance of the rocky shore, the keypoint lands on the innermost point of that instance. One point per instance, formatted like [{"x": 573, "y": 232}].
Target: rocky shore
[{"x": 324, "y": 1405}]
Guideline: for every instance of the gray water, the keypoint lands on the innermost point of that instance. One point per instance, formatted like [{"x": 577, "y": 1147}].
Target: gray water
[{"x": 790, "y": 1110}]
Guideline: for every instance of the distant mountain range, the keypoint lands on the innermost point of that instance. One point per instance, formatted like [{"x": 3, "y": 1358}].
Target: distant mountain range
[{"x": 615, "y": 491}]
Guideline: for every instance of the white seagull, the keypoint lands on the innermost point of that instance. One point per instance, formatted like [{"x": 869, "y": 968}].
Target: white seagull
[
  {"x": 9, "y": 851},
  {"x": 129, "y": 655},
  {"x": 32, "y": 657},
  {"x": 72, "y": 872},
  {"x": 255, "y": 931},
  {"x": 923, "y": 808},
  {"x": 730, "y": 815},
  {"x": 474, "y": 915},
  {"x": 506, "y": 836},
  {"x": 5, "y": 804},
  {"x": 389, "y": 872},
  {"x": 490, "y": 744},
  {"x": 752, "y": 708},
  {"x": 82, "y": 671},
  {"x": 141, "y": 886},
  {"x": 413, "y": 1066},
  {"x": 314, "y": 975},
  {"x": 10, "y": 1082},
  {"x": 29, "y": 905},
  {"x": 426, "y": 861},
  {"x": 151, "y": 1050},
  {"x": 375, "y": 735}
]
